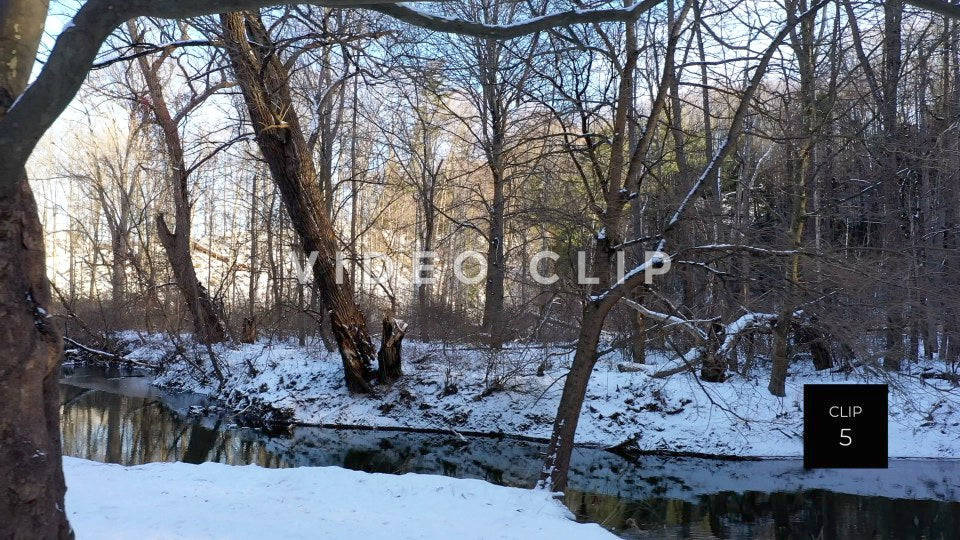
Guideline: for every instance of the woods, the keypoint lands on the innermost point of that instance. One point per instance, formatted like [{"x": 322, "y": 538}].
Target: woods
[{"x": 734, "y": 188}]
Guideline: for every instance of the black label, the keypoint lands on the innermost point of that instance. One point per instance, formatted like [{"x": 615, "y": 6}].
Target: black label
[{"x": 845, "y": 426}]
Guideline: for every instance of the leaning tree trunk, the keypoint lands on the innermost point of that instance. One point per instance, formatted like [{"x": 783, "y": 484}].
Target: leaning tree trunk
[
  {"x": 31, "y": 469},
  {"x": 208, "y": 324},
  {"x": 557, "y": 461},
  {"x": 263, "y": 79},
  {"x": 207, "y": 319}
]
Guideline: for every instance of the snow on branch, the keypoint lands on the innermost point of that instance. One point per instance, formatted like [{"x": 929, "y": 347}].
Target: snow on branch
[
  {"x": 746, "y": 323},
  {"x": 730, "y": 333},
  {"x": 749, "y": 249},
  {"x": 104, "y": 354},
  {"x": 750, "y": 321},
  {"x": 667, "y": 319}
]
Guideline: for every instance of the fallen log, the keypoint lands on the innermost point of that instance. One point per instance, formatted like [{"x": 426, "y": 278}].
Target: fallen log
[
  {"x": 941, "y": 376},
  {"x": 105, "y": 355}
]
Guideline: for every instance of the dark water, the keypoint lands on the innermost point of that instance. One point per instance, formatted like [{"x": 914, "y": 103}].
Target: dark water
[{"x": 109, "y": 416}]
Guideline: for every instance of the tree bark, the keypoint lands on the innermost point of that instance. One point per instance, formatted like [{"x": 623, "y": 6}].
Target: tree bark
[
  {"x": 31, "y": 503},
  {"x": 892, "y": 61},
  {"x": 208, "y": 326},
  {"x": 495, "y": 122},
  {"x": 803, "y": 46},
  {"x": 817, "y": 340},
  {"x": 424, "y": 315},
  {"x": 263, "y": 80},
  {"x": 557, "y": 461},
  {"x": 714, "y": 368},
  {"x": 638, "y": 341},
  {"x": 31, "y": 470},
  {"x": 390, "y": 350},
  {"x": 207, "y": 320},
  {"x": 248, "y": 333}
]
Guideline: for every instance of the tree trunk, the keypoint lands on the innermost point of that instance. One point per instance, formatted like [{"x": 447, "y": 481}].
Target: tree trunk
[
  {"x": 803, "y": 46},
  {"x": 389, "y": 355},
  {"x": 423, "y": 289},
  {"x": 638, "y": 341},
  {"x": 892, "y": 61},
  {"x": 264, "y": 81},
  {"x": 780, "y": 356},
  {"x": 893, "y": 355},
  {"x": 249, "y": 329},
  {"x": 816, "y": 340},
  {"x": 557, "y": 461},
  {"x": 495, "y": 123},
  {"x": 118, "y": 271},
  {"x": 208, "y": 326},
  {"x": 31, "y": 504},
  {"x": 714, "y": 368},
  {"x": 493, "y": 289},
  {"x": 207, "y": 320},
  {"x": 248, "y": 333},
  {"x": 31, "y": 468}
]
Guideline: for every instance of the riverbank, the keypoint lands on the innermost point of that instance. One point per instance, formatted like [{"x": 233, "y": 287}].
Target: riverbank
[
  {"x": 177, "y": 500},
  {"x": 514, "y": 392}
]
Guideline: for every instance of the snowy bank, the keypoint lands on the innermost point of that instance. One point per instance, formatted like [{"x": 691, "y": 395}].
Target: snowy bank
[
  {"x": 177, "y": 500},
  {"x": 456, "y": 389}
]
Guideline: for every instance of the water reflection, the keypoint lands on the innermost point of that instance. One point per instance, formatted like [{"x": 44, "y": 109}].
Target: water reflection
[
  {"x": 131, "y": 430},
  {"x": 753, "y": 515},
  {"x": 112, "y": 417}
]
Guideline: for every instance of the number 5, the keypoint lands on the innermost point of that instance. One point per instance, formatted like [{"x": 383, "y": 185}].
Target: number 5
[{"x": 843, "y": 435}]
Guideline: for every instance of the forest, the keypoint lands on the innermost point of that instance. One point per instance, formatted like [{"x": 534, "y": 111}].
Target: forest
[{"x": 640, "y": 225}]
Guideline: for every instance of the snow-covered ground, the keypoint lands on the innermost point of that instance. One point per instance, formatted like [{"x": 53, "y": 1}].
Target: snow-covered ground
[
  {"x": 209, "y": 501},
  {"x": 471, "y": 390}
]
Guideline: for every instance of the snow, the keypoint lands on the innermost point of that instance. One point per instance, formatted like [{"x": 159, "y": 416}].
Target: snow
[
  {"x": 748, "y": 320},
  {"x": 516, "y": 463},
  {"x": 471, "y": 390},
  {"x": 177, "y": 500}
]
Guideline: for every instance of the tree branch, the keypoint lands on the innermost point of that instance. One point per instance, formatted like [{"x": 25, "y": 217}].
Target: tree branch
[
  {"x": 77, "y": 46},
  {"x": 150, "y": 48},
  {"x": 634, "y": 277},
  {"x": 449, "y": 25},
  {"x": 937, "y": 6}
]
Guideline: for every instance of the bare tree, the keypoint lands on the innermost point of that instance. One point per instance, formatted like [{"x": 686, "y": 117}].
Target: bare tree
[
  {"x": 208, "y": 321},
  {"x": 264, "y": 80},
  {"x": 601, "y": 301}
]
